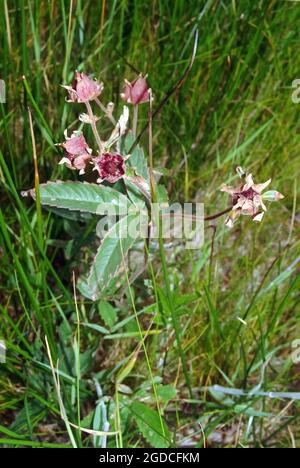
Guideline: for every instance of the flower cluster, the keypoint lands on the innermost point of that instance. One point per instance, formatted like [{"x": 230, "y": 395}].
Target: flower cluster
[
  {"x": 248, "y": 199},
  {"x": 107, "y": 161}
]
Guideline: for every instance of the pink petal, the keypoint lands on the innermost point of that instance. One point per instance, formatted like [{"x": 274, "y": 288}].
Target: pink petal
[
  {"x": 229, "y": 189},
  {"x": 259, "y": 188},
  {"x": 67, "y": 162},
  {"x": 259, "y": 217},
  {"x": 139, "y": 91},
  {"x": 87, "y": 89},
  {"x": 76, "y": 145},
  {"x": 80, "y": 162}
]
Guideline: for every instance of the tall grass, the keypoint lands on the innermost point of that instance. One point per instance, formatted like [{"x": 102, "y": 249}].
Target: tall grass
[{"x": 236, "y": 301}]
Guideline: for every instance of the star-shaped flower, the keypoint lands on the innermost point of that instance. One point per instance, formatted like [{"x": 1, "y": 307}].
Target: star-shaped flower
[
  {"x": 248, "y": 200},
  {"x": 111, "y": 167}
]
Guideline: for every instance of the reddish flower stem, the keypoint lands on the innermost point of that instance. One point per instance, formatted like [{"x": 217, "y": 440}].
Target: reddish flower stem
[
  {"x": 218, "y": 215},
  {"x": 94, "y": 127}
]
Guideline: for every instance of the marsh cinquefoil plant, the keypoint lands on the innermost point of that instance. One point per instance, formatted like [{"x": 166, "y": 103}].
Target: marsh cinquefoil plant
[{"x": 124, "y": 180}]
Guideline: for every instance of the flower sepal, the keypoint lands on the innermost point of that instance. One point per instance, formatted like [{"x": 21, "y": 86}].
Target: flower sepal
[{"x": 272, "y": 195}]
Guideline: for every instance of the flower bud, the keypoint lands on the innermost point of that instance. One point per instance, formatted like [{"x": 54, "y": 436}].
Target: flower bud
[
  {"x": 83, "y": 88},
  {"x": 136, "y": 92}
]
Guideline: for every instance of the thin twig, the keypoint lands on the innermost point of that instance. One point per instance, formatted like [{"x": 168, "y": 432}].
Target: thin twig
[
  {"x": 36, "y": 181},
  {"x": 151, "y": 165},
  {"x": 217, "y": 215},
  {"x": 174, "y": 88}
]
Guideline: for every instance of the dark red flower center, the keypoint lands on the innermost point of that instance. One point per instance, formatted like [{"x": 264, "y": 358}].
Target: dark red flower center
[
  {"x": 111, "y": 167},
  {"x": 70, "y": 156},
  {"x": 249, "y": 194}
]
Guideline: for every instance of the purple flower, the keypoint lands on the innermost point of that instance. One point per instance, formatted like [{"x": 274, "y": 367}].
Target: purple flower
[
  {"x": 77, "y": 152},
  {"x": 83, "y": 88},
  {"x": 111, "y": 167},
  {"x": 136, "y": 92},
  {"x": 248, "y": 200}
]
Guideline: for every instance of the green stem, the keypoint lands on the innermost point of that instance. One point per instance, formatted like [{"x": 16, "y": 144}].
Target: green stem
[
  {"x": 135, "y": 120},
  {"x": 163, "y": 257}
]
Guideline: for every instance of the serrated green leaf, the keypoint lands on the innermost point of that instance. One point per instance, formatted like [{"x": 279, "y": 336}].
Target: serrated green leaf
[
  {"x": 149, "y": 424},
  {"x": 84, "y": 197},
  {"x": 79, "y": 216},
  {"x": 109, "y": 259}
]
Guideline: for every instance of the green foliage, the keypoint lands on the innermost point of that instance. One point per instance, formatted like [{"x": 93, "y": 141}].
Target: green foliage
[
  {"x": 237, "y": 301},
  {"x": 137, "y": 158},
  {"x": 111, "y": 255},
  {"x": 108, "y": 313}
]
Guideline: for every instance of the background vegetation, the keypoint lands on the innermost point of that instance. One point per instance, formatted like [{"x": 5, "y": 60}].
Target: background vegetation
[{"x": 234, "y": 109}]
